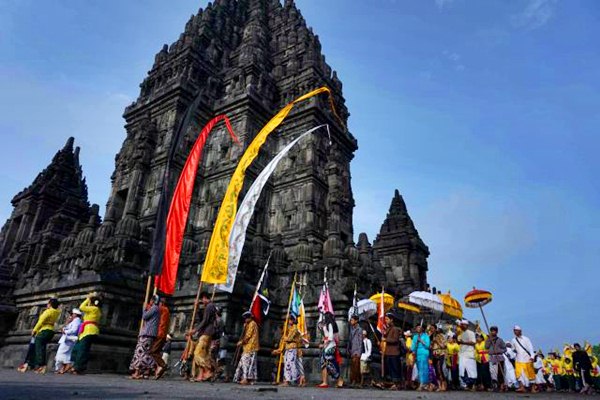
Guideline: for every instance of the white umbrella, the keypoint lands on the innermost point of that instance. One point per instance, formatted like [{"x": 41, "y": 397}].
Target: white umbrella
[
  {"x": 426, "y": 300},
  {"x": 364, "y": 309}
]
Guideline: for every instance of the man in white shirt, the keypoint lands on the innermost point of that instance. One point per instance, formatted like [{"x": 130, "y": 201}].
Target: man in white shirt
[
  {"x": 524, "y": 360},
  {"x": 467, "y": 366},
  {"x": 365, "y": 358}
]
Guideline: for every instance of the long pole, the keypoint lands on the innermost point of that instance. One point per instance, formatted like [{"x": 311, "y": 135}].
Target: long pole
[
  {"x": 384, "y": 344},
  {"x": 185, "y": 354},
  {"x": 148, "y": 285},
  {"x": 260, "y": 280},
  {"x": 234, "y": 361},
  {"x": 287, "y": 317},
  {"x": 484, "y": 319}
]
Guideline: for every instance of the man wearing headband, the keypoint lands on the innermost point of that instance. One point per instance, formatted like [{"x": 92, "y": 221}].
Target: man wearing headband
[
  {"x": 289, "y": 345},
  {"x": 496, "y": 348},
  {"x": 467, "y": 366},
  {"x": 246, "y": 372},
  {"x": 394, "y": 348},
  {"x": 365, "y": 358},
  {"x": 66, "y": 342},
  {"x": 524, "y": 360}
]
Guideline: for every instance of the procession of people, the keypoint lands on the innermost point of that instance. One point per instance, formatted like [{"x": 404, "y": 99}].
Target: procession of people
[{"x": 437, "y": 357}]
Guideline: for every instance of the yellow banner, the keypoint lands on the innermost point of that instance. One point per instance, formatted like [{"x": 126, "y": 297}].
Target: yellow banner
[{"x": 215, "y": 264}]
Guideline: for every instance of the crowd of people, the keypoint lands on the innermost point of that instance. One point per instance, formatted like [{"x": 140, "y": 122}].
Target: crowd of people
[{"x": 438, "y": 357}]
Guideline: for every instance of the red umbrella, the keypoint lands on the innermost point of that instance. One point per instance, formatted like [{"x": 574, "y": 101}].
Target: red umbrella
[{"x": 478, "y": 298}]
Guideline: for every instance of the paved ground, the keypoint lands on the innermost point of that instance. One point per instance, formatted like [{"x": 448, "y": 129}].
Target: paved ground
[{"x": 17, "y": 386}]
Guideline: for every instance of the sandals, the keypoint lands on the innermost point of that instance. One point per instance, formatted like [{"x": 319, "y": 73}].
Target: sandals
[{"x": 322, "y": 386}]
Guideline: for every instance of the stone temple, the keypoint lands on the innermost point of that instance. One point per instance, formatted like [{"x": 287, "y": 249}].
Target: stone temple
[{"x": 245, "y": 59}]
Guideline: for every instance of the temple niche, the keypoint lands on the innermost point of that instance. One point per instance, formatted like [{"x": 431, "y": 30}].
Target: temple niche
[{"x": 246, "y": 59}]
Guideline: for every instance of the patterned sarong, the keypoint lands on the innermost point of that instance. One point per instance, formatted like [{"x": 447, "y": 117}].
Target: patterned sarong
[
  {"x": 246, "y": 369},
  {"x": 203, "y": 362},
  {"x": 290, "y": 363},
  {"x": 142, "y": 360},
  {"x": 328, "y": 361}
]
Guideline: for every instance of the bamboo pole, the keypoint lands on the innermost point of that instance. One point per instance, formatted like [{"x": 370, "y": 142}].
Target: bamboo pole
[
  {"x": 383, "y": 344},
  {"x": 185, "y": 355},
  {"x": 285, "y": 328},
  {"x": 146, "y": 298},
  {"x": 196, "y": 305}
]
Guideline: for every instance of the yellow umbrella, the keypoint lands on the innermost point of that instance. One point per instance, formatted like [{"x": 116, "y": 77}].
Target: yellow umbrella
[
  {"x": 408, "y": 307},
  {"x": 452, "y": 306},
  {"x": 388, "y": 300}
]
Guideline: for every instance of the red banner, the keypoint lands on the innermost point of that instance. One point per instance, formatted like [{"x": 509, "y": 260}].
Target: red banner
[{"x": 180, "y": 208}]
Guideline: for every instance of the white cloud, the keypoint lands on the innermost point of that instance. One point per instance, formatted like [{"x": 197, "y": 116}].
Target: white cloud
[{"x": 536, "y": 14}]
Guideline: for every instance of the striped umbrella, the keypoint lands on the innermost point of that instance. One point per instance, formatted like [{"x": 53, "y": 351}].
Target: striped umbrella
[{"x": 478, "y": 298}]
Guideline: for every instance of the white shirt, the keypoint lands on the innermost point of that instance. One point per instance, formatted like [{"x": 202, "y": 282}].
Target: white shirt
[
  {"x": 466, "y": 350},
  {"x": 328, "y": 333},
  {"x": 368, "y": 347},
  {"x": 522, "y": 355}
]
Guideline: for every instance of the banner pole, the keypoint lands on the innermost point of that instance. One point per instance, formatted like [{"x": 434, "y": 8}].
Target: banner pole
[
  {"x": 285, "y": 329},
  {"x": 146, "y": 299}
]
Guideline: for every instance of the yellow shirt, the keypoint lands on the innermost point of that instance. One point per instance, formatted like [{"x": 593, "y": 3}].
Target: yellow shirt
[
  {"x": 595, "y": 372},
  {"x": 567, "y": 367},
  {"x": 292, "y": 338},
  {"x": 452, "y": 351},
  {"x": 90, "y": 313},
  {"x": 556, "y": 366},
  {"x": 481, "y": 354},
  {"x": 250, "y": 339},
  {"x": 46, "y": 320}
]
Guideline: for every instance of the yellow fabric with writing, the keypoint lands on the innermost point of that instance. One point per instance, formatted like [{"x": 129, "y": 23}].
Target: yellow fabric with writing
[{"x": 217, "y": 256}]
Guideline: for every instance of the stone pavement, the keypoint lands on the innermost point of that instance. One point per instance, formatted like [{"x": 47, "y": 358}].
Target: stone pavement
[{"x": 17, "y": 386}]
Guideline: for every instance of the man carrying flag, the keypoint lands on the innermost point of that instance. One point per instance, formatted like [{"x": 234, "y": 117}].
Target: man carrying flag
[{"x": 246, "y": 369}]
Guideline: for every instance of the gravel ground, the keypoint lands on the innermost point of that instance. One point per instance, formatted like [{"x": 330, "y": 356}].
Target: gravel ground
[{"x": 17, "y": 386}]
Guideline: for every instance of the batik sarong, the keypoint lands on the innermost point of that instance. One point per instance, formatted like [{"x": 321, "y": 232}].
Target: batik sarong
[
  {"x": 329, "y": 362},
  {"x": 246, "y": 369},
  {"x": 290, "y": 363},
  {"x": 202, "y": 359},
  {"x": 142, "y": 359}
]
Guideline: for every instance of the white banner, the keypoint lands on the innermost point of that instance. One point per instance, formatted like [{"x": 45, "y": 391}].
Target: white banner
[{"x": 246, "y": 209}]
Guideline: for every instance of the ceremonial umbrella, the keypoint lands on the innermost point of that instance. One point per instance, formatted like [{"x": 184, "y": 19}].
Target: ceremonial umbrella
[
  {"x": 388, "y": 300},
  {"x": 451, "y": 306},
  {"x": 403, "y": 305},
  {"x": 364, "y": 309},
  {"x": 426, "y": 300},
  {"x": 477, "y": 298}
]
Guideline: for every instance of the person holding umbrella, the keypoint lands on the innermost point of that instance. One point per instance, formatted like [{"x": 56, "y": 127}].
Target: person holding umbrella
[{"x": 496, "y": 349}]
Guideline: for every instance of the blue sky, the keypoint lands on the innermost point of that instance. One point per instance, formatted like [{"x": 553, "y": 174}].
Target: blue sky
[{"x": 482, "y": 113}]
